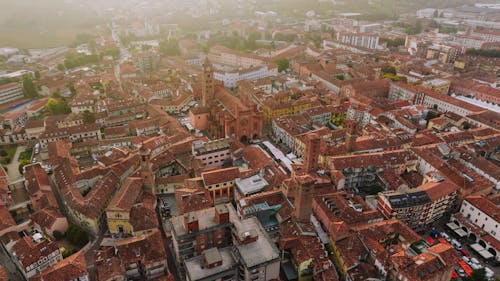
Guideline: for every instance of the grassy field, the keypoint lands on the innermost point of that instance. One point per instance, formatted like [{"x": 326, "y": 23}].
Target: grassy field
[{"x": 8, "y": 151}]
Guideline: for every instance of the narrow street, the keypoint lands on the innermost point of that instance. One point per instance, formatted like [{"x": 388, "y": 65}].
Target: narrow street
[
  {"x": 13, "y": 166},
  {"x": 6, "y": 261}
]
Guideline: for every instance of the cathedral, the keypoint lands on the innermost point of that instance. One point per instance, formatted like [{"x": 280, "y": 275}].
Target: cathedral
[{"x": 223, "y": 114}]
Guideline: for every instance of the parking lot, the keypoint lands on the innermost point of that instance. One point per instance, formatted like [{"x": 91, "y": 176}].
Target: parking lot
[{"x": 469, "y": 258}]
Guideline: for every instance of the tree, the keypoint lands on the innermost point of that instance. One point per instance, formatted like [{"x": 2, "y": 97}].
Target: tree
[
  {"x": 88, "y": 117},
  {"x": 56, "y": 107},
  {"x": 389, "y": 70},
  {"x": 72, "y": 89},
  {"x": 61, "y": 67},
  {"x": 77, "y": 236},
  {"x": 29, "y": 87},
  {"x": 37, "y": 74},
  {"x": 477, "y": 275},
  {"x": 114, "y": 52},
  {"x": 57, "y": 235},
  {"x": 436, "y": 13},
  {"x": 170, "y": 47},
  {"x": 283, "y": 64},
  {"x": 22, "y": 164}
]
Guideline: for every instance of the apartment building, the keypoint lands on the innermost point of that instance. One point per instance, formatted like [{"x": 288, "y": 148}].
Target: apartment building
[
  {"x": 364, "y": 40},
  {"x": 419, "y": 207},
  {"x": 10, "y": 92},
  {"x": 212, "y": 154}
]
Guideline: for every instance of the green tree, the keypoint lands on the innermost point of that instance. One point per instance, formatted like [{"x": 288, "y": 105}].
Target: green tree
[
  {"x": 483, "y": 53},
  {"x": 436, "y": 13},
  {"x": 22, "y": 164},
  {"x": 72, "y": 89},
  {"x": 389, "y": 70},
  {"x": 61, "y": 67},
  {"x": 29, "y": 87},
  {"x": 37, "y": 74},
  {"x": 57, "y": 235},
  {"x": 55, "y": 107},
  {"x": 170, "y": 47},
  {"x": 77, "y": 236},
  {"x": 114, "y": 52},
  {"x": 88, "y": 117},
  {"x": 283, "y": 64},
  {"x": 477, "y": 275}
]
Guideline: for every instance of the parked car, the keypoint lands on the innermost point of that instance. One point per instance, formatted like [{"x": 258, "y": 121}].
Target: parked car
[
  {"x": 445, "y": 236},
  {"x": 474, "y": 260},
  {"x": 489, "y": 272},
  {"x": 464, "y": 252},
  {"x": 456, "y": 244},
  {"x": 476, "y": 266},
  {"x": 460, "y": 272},
  {"x": 466, "y": 259}
]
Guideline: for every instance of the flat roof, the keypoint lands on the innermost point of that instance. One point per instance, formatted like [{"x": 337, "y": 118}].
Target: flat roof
[
  {"x": 205, "y": 217},
  {"x": 251, "y": 185},
  {"x": 261, "y": 251},
  {"x": 196, "y": 270}
]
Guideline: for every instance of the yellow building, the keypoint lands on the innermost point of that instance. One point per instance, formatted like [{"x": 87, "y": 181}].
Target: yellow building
[
  {"x": 441, "y": 86},
  {"x": 282, "y": 105},
  {"x": 118, "y": 210}
]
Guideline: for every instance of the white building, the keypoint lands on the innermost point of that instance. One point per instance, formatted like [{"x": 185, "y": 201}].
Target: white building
[
  {"x": 364, "y": 40},
  {"x": 231, "y": 78},
  {"x": 479, "y": 218},
  {"x": 213, "y": 153},
  {"x": 10, "y": 92}
]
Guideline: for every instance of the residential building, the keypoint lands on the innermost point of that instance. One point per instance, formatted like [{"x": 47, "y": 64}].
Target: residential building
[
  {"x": 479, "y": 218},
  {"x": 438, "y": 85},
  {"x": 364, "y": 40},
  {"x": 10, "y": 92},
  {"x": 72, "y": 268},
  {"x": 137, "y": 258},
  {"x": 212, "y": 154},
  {"x": 226, "y": 56},
  {"x": 255, "y": 253},
  {"x": 231, "y": 78},
  {"x": 146, "y": 62},
  {"x": 197, "y": 231},
  {"x": 419, "y": 207},
  {"x": 34, "y": 254}
]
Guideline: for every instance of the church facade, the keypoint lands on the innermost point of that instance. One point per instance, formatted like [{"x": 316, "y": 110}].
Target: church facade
[{"x": 223, "y": 114}]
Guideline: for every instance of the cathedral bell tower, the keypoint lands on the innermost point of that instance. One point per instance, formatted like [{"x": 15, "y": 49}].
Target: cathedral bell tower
[
  {"x": 207, "y": 84},
  {"x": 147, "y": 169}
]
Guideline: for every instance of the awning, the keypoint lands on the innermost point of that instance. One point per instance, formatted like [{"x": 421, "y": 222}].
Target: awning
[
  {"x": 452, "y": 225},
  {"x": 460, "y": 232},
  {"x": 482, "y": 251}
]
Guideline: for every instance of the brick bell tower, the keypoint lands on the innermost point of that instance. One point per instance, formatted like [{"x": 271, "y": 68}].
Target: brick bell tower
[
  {"x": 207, "y": 84},
  {"x": 146, "y": 172}
]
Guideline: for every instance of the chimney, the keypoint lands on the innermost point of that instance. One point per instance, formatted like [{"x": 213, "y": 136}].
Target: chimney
[
  {"x": 221, "y": 214},
  {"x": 191, "y": 222},
  {"x": 248, "y": 236},
  {"x": 311, "y": 154}
]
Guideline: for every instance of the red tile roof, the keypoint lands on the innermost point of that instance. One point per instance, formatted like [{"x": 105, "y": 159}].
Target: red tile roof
[
  {"x": 220, "y": 176},
  {"x": 70, "y": 268}
]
